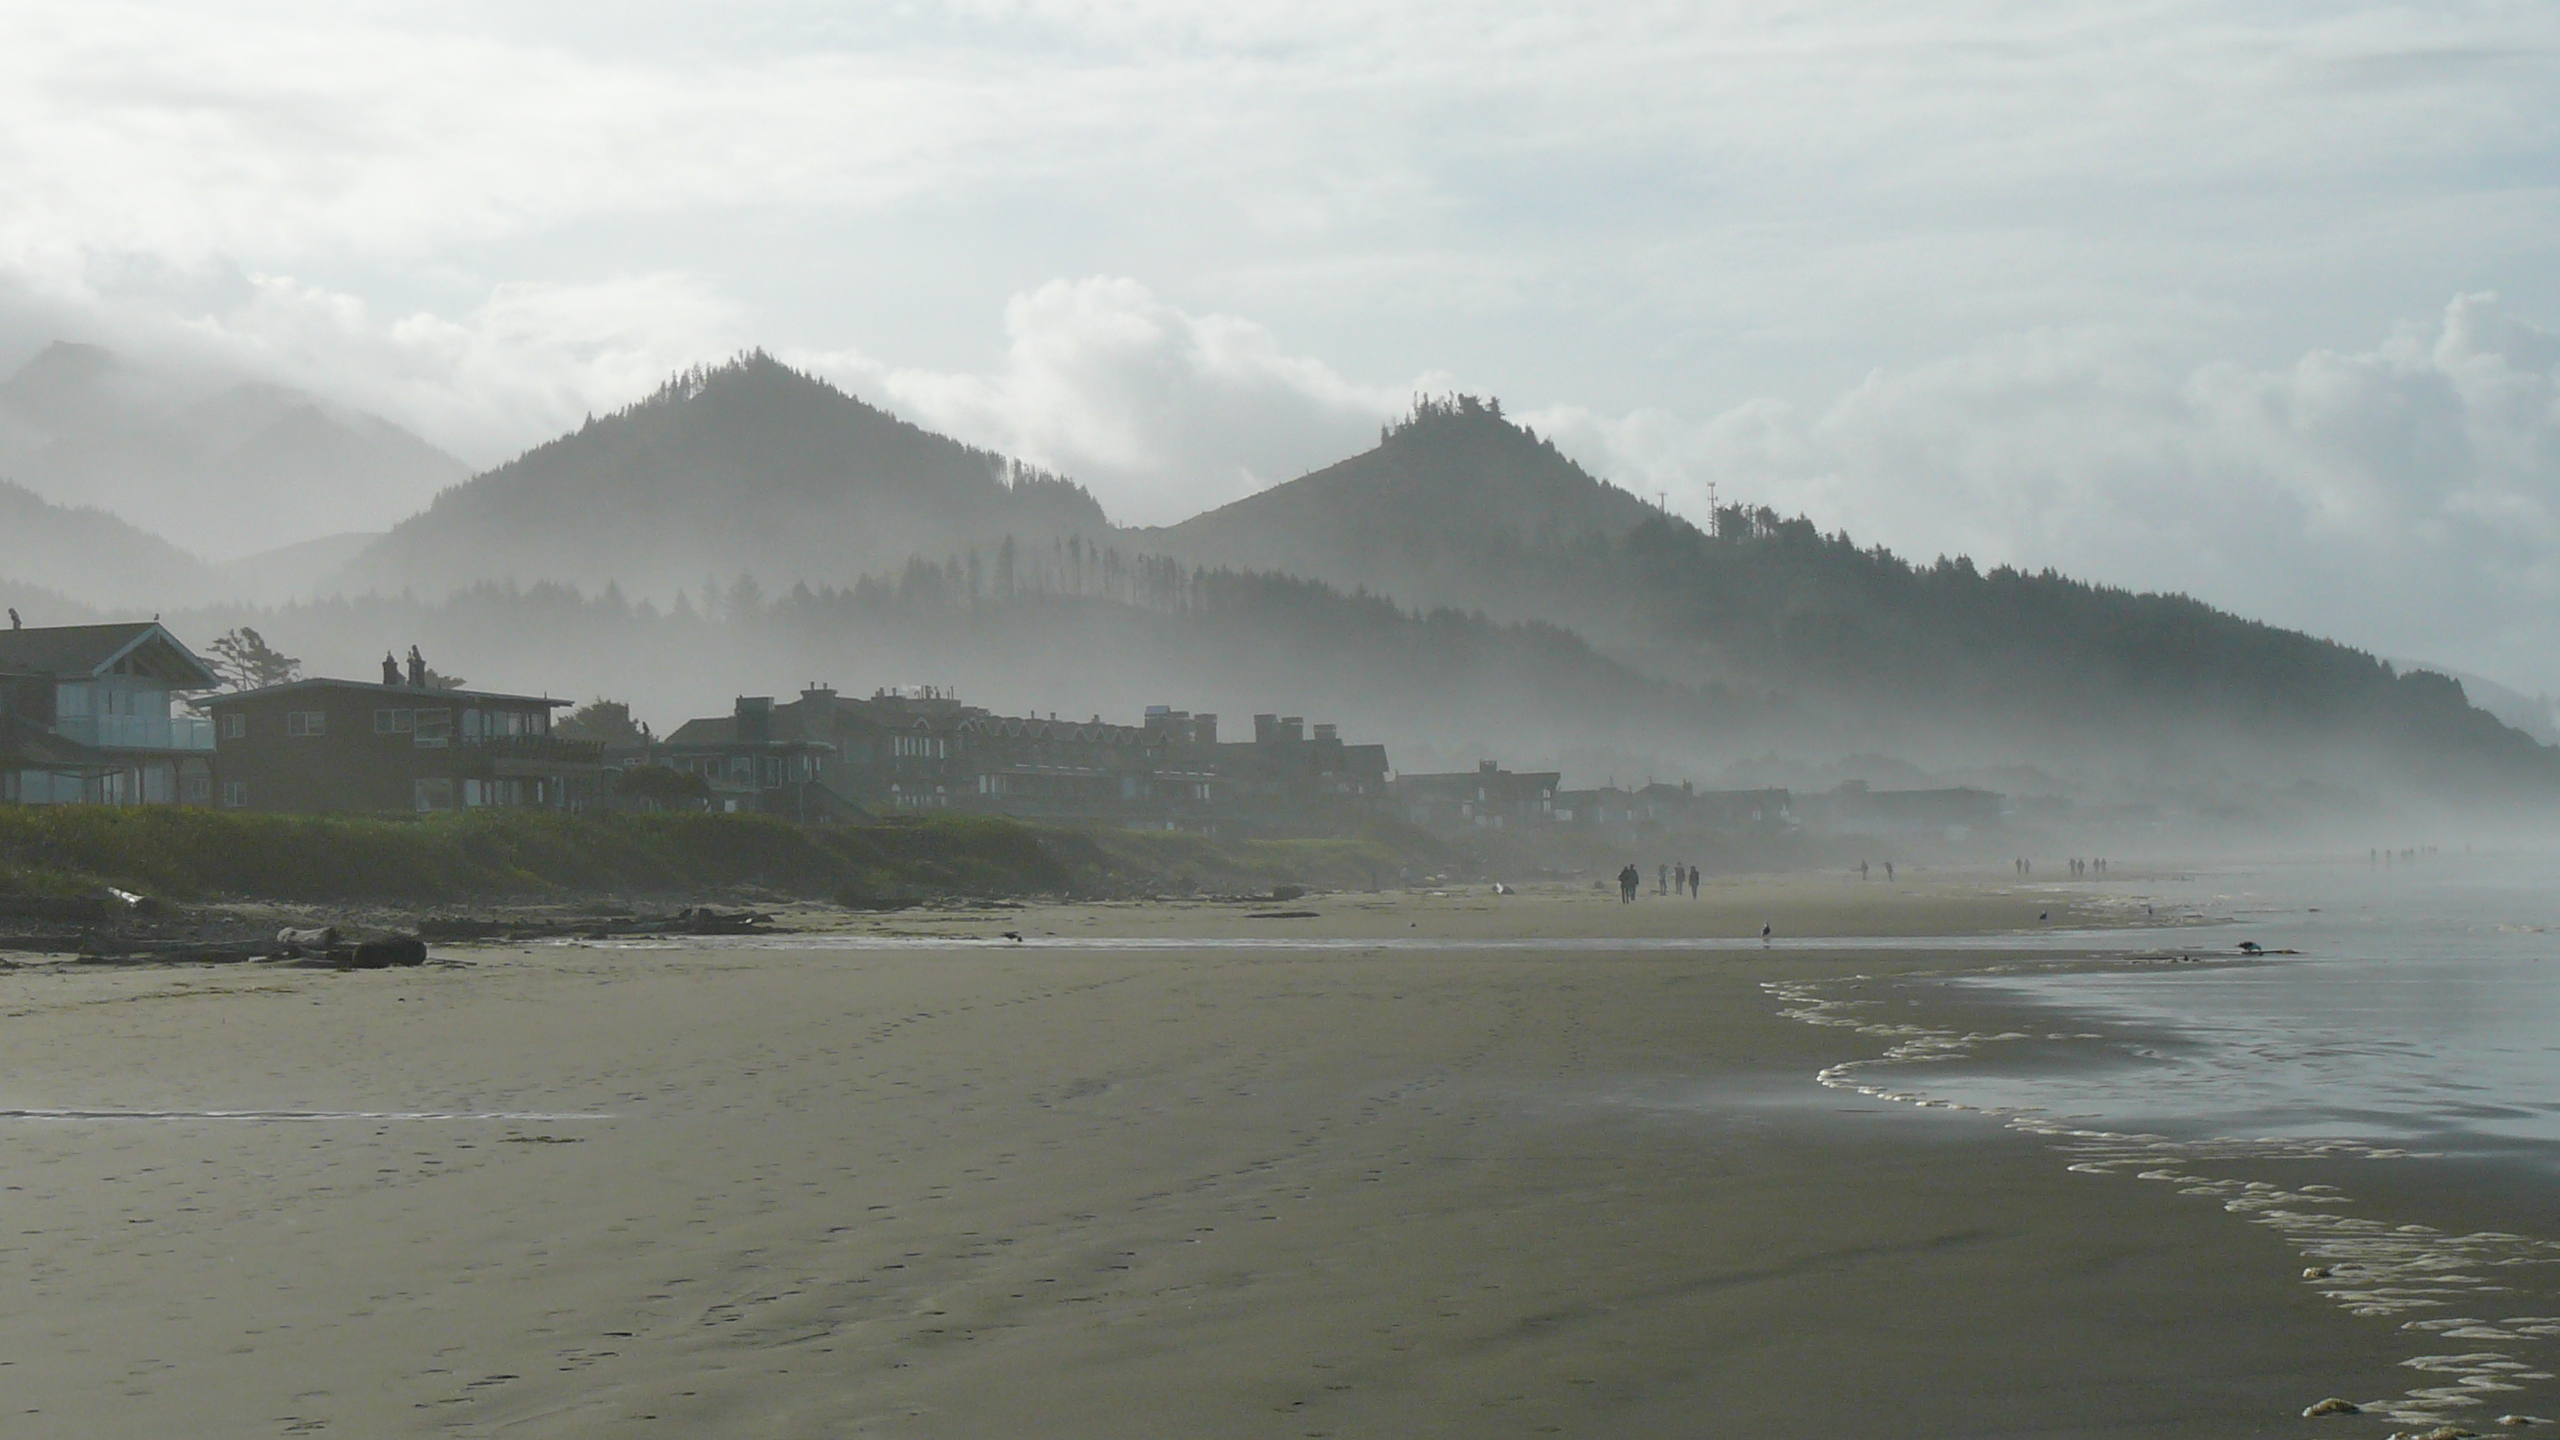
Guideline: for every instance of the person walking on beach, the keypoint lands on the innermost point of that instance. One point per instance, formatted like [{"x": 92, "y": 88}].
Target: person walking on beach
[
  {"x": 1693, "y": 882},
  {"x": 1661, "y": 879},
  {"x": 1888, "y": 872},
  {"x": 1862, "y": 869},
  {"x": 1628, "y": 880}
]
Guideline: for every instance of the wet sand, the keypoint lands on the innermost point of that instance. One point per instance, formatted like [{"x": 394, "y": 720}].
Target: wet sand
[{"x": 1003, "y": 1192}]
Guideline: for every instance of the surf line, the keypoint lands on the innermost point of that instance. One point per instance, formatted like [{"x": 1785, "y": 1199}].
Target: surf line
[
  {"x": 31, "y": 1113},
  {"x": 2367, "y": 1267}
]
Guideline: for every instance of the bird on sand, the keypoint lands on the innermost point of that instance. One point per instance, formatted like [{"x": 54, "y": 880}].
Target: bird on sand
[
  {"x": 1764, "y": 929},
  {"x": 2249, "y": 947},
  {"x": 1014, "y": 935}
]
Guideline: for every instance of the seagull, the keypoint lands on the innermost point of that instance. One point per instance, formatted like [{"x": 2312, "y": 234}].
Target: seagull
[
  {"x": 2249, "y": 947},
  {"x": 1764, "y": 929},
  {"x": 1014, "y": 935},
  {"x": 2044, "y": 914}
]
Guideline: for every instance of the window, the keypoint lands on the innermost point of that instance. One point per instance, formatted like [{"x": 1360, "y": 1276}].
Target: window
[
  {"x": 470, "y": 726},
  {"x": 235, "y": 794},
  {"x": 394, "y": 722},
  {"x": 306, "y": 724},
  {"x": 234, "y": 726},
  {"x": 433, "y": 729},
  {"x": 199, "y": 790}
]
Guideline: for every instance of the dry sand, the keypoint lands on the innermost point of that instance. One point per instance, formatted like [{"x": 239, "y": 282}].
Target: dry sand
[{"x": 1003, "y": 1192}]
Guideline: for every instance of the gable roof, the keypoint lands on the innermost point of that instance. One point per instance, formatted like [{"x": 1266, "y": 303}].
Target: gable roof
[{"x": 91, "y": 650}]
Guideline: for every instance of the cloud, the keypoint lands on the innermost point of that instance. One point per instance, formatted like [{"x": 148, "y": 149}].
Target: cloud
[
  {"x": 2404, "y": 497},
  {"x": 1163, "y": 413}
]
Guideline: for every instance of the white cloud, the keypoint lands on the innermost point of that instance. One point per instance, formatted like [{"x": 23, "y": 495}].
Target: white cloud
[
  {"x": 1161, "y": 412},
  {"x": 2405, "y": 497}
]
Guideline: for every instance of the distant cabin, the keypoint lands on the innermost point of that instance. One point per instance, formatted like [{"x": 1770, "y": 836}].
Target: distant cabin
[{"x": 316, "y": 745}]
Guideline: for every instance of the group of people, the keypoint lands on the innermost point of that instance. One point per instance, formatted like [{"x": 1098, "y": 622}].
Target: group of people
[
  {"x": 2079, "y": 867},
  {"x": 1888, "y": 870},
  {"x": 1668, "y": 880}
]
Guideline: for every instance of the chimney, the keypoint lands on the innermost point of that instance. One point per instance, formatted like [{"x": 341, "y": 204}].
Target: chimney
[
  {"x": 755, "y": 719},
  {"x": 1327, "y": 734},
  {"x": 417, "y": 668},
  {"x": 1204, "y": 728},
  {"x": 1484, "y": 767},
  {"x": 1293, "y": 727},
  {"x": 818, "y": 713},
  {"x": 1266, "y": 728},
  {"x": 390, "y": 668}
]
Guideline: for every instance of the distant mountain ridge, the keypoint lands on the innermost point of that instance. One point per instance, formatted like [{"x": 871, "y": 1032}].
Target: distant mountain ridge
[
  {"x": 93, "y": 558},
  {"x": 747, "y": 468},
  {"x": 1779, "y": 635},
  {"x": 233, "y": 464}
]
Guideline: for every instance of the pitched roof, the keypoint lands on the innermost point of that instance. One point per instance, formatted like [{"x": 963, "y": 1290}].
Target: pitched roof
[{"x": 94, "y": 649}]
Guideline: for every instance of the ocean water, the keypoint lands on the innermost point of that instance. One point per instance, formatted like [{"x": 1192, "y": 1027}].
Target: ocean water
[
  {"x": 2415, "y": 1025},
  {"x": 2422, "y": 1011}
]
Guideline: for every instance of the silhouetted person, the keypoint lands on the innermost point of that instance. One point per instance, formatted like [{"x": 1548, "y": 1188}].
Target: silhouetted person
[
  {"x": 1862, "y": 869},
  {"x": 14, "y": 622},
  {"x": 1661, "y": 879},
  {"x": 1628, "y": 880},
  {"x": 1888, "y": 872},
  {"x": 1693, "y": 882}
]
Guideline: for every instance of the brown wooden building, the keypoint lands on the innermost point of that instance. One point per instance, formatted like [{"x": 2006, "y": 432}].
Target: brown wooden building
[{"x": 348, "y": 745}]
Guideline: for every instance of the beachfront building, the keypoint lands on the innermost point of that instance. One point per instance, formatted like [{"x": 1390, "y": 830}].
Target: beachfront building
[
  {"x": 400, "y": 745},
  {"x": 923, "y": 751},
  {"x": 88, "y": 716},
  {"x": 1485, "y": 798}
]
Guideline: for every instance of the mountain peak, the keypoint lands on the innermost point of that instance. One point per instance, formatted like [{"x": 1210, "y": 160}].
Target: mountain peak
[
  {"x": 747, "y": 466},
  {"x": 1449, "y": 484}
]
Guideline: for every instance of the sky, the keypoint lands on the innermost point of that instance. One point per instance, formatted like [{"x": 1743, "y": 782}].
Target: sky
[{"x": 2256, "y": 301}]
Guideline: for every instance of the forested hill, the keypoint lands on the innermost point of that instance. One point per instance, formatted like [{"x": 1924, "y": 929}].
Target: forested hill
[
  {"x": 1459, "y": 506},
  {"x": 747, "y": 468},
  {"x": 2012, "y": 654},
  {"x": 1425, "y": 515}
]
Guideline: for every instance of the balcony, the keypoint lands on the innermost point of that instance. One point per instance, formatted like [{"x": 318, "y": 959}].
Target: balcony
[{"x": 137, "y": 732}]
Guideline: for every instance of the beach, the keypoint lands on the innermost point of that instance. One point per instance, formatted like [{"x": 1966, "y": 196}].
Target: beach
[{"x": 980, "y": 1188}]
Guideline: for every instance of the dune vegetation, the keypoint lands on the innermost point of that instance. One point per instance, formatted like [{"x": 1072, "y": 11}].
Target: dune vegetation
[{"x": 522, "y": 856}]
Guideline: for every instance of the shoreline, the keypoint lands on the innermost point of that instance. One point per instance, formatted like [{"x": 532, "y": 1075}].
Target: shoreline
[
  {"x": 988, "y": 1191},
  {"x": 2443, "y": 1248}
]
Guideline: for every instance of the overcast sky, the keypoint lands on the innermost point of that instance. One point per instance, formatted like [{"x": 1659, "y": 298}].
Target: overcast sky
[{"x": 2255, "y": 300}]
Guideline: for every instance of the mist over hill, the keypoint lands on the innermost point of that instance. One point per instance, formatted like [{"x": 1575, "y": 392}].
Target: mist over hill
[
  {"x": 1084, "y": 631},
  {"x": 232, "y": 464},
  {"x": 87, "y": 556},
  {"x": 748, "y": 468}
]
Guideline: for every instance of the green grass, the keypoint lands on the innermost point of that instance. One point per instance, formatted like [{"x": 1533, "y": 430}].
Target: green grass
[{"x": 203, "y": 855}]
